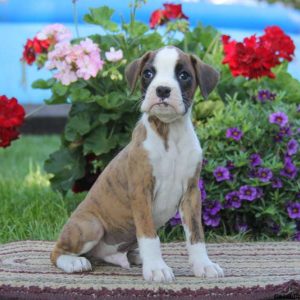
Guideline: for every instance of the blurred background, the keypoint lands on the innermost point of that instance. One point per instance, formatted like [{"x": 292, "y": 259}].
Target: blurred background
[{"x": 20, "y": 20}]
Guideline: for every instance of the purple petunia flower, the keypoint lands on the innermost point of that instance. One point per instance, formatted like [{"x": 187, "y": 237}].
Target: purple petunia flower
[
  {"x": 264, "y": 174},
  {"x": 298, "y": 108},
  {"x": 297, "y": 236},
  {"x": 230, "y": 165},
  {"x": 212, "y": 221},
  {"x": 234, "y": 133},
  {"x": 276, "y": 183},
  {"x": 233, "y": 200},
  {"x": 204, "y": 162},
  {"x": 298, "y": 196},
  {"x": 293, "y": 210},
  {"x": 241, "y": 227},
  {"x": 279, "y": 118},
  {"x": 292, "y": 147},
  {"x": 275, "y": 228},
  {"x": 264, "y": 95},
  {"x": 253, "y": 173},
  {"x": 201, "y": 187},
  {"x": 176, "y": 220},
  {"x": 278, "y": 138},
  {"x": 221, "y": 174},
  {"x": 289, "y": 170},
  {"x": 255, "y": 160},
  {"x": 248, "y": 193},
  {"x": 272, "y": 96},
  {"x": 212, "y": 207},
  {"x": 259, "y": 192},
  {"x": 211, "y": 211},
  {"x": 285, "y": 131}
]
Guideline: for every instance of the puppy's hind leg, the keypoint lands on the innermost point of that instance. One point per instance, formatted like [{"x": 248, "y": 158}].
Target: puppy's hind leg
[
  {"x": 134, "y": 257},
  {"x": 80, "y": 234}
]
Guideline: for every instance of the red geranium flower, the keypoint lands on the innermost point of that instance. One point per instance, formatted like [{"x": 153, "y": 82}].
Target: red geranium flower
[
  {"x": 7, "y": 135},
  {"x": 174, "y": 11},
  {"x": 246, "y": 59},
  {"x": 85, "y": 183},
  {"x": 255, "y": 57},
  {"x": 11, "y": 113},
  {"x": 157, "y": 18},
  {"x": 161, "y": 16},
  {"x": 11, "y": 116},
  {"x": 34, "y": 47},
  {"x": 278, "y": 42}
]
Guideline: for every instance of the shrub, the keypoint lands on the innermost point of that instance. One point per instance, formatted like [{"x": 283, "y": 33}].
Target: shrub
[{"x": 251, "y": 176}]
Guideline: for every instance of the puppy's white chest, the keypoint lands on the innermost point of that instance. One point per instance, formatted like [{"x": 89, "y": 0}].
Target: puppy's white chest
[{"x": 172, "y": 168}]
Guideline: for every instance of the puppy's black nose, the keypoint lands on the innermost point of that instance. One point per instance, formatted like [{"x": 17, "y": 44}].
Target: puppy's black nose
[{"x": 163, "y": 92}]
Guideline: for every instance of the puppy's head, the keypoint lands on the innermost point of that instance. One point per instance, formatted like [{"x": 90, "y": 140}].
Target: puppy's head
[{"x": 169, "y": 78}]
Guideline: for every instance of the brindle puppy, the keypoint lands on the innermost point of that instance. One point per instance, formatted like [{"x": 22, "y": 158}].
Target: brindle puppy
[{"x": 151, "y": 178}]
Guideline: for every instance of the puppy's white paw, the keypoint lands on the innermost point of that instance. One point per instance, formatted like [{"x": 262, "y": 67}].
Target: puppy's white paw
[
  {"x": 157, "y": 271},
  {"x": 206, "y": 268},
  {"x": 72, "y": 264}
]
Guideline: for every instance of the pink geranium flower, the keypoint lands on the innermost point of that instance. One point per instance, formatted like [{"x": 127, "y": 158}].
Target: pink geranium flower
[
  {"x": 114, "y": 55},
  {"x": 75, "y": 61},
  {"x": 56, "y": 32}
]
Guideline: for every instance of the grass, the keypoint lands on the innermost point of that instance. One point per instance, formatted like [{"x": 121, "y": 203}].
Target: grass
[{"x": 29, "y": 208}]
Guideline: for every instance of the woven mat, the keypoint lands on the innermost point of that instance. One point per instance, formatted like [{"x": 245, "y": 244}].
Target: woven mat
[{"x": 252, "y": 271}]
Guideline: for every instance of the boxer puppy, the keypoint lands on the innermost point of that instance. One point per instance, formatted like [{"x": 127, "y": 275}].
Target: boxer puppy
[{"x": 155, "y": 175}]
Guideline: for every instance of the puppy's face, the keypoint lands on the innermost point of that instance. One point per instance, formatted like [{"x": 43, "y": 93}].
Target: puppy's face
[{"x": 169, "y": 78}]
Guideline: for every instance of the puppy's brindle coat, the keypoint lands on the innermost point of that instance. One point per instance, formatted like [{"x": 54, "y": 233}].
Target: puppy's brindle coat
[{"x": 156, "y": 174}]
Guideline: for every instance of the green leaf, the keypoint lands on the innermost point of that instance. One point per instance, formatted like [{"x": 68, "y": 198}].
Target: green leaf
[
  {"x": 271, "y": 210},
  {"x": 60, "y": 89},
  {"x": 104, "y": 117},
  {"x": 77, "y": 125},
  {"x": 67, "y": 166},
  {"x": 43, "y": 84},
  {"x": 101, "y": 16},
  {"x": 79, "y": 84},
  {"x": 137, "y": 30},
  {"x": 291, "y": 86},
  {"x": 56, "y": 99},
  {"x": 80, "y": 95},
  {"x": 110, "y": 101},
  {"x": 98, "y": 141}
]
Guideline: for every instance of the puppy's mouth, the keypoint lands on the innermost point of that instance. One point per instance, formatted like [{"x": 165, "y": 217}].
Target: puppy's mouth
[{"x": 161, "y": 104}]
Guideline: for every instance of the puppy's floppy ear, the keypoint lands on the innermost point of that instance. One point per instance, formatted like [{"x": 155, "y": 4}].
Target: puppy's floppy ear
[
  {"x": 207, "y": 77},
  {"x": 134, "y": 69}
]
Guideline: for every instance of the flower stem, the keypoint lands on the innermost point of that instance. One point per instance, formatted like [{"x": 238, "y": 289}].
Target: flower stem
[
  {"x": 75, "y": 16},
  {"x": 35, "y": 110},
  {"x": 211, "y": 45}
]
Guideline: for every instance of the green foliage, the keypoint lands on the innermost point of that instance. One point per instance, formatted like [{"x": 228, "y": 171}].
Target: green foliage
[
  {"x": 101, "y": 16},
  {"x": 67, "y": 165}
]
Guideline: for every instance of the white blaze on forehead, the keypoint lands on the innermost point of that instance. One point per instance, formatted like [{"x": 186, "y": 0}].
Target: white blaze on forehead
[{"x": 165, "y": 62}]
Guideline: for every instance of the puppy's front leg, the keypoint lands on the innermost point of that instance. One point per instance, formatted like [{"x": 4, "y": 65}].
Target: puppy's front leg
[
  {"x": 154, "y": 267},
  {"x": 190, "y": 211}
]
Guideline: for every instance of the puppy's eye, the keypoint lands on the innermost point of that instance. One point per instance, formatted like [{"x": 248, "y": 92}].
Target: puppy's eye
[
  {"x": 183, "y": 75},
  {"x": 148, "y": 74}
]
